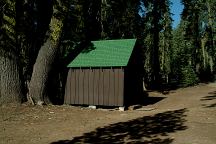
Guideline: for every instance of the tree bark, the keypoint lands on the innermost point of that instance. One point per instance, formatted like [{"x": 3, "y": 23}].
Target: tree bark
[
  {"x": 10, "y": 82},
  {"x": 41, "y": 70},
  {"x": 1, "y": 63},
  {"x": 38, "y": 87},
  {"x": 103, "y": 17},
  {"x": 155, "y": 48},
  {"x": 212, "y": 31}
]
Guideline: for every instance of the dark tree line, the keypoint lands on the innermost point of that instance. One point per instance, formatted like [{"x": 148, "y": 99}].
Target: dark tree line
[{"x": 39, "y": 38}]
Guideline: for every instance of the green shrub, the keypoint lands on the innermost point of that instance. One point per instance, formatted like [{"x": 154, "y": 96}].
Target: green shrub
[{"x": 188, "y": 77}]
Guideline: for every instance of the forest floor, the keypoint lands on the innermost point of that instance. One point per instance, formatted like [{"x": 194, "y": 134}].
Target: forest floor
[{"x": 183, "y": 116}]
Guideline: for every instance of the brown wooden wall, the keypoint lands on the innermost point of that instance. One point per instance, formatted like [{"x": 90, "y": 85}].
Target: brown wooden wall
[{"x": 95, "y": 87}]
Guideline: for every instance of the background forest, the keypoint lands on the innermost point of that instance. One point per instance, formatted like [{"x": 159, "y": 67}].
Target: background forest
[{"x": 39, "y": 38}]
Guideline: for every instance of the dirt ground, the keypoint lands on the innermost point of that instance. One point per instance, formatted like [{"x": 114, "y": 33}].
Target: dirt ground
[{"x": 184, "y": 116}]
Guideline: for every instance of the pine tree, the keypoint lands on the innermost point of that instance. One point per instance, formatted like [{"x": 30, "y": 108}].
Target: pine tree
[
  {"x": 10, "y": 71},
  {"x": 166, "y": 41},
  {"x": 199, "y": 31},
  {"x": 155, "y": 13},
  {"x": 182, "y": 72}
]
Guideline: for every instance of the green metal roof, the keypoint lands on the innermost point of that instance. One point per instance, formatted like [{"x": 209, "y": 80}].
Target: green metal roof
[{"x": 105, "y": 53}]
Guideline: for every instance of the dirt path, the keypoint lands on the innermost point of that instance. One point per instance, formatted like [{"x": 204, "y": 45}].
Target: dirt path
[{"x": 184, "y": 116}]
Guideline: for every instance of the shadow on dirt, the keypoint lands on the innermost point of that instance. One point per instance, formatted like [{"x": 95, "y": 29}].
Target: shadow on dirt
[
  {"x": 151, "y": 100},
  {"x": 146, "y": 130},
  {"x": 211, "y": 97}
]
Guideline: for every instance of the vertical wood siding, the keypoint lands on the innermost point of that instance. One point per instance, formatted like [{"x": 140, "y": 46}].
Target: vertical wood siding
[
  {"x": 121, "y": 87},
  {"x": 95, "y": 87}
]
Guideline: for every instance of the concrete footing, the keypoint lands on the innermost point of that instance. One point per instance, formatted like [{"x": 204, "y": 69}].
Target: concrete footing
[
  {"x": 92, "y": 107},
  {"x": 121, "y": 108}
]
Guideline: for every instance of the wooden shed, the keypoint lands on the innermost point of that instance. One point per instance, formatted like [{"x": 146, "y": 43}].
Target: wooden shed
[{"x": 110, "y": 74}]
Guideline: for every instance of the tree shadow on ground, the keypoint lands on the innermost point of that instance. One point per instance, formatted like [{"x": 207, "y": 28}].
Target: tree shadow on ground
[
  {"x": 151, "y": 100},
  {"x": 211, "y": 97},
  {"x": 146, "y": 130}
]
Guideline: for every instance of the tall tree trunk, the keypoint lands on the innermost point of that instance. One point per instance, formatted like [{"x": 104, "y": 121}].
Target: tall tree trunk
[
  {"x": 210, "y": 23},
  {"x": 38, "y": 87},
  {"x": 103, "y": 17},
  {"x": 10, "y": 82},
  {"x": 1, "y": 63},
  {"x": 11, "y": 90},
  {"x": 155, "y": 48},
  {"x": 163, "y": 52},
  {"x": 212, "y": 31},
  {"x": 41, "y": 70}
]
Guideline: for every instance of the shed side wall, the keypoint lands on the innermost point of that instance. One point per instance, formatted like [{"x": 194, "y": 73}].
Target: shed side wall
[{"x": 103, "y": 87}]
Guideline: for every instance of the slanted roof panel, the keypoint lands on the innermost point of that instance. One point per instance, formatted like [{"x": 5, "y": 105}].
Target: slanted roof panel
[{"x": 106, "y": 53}]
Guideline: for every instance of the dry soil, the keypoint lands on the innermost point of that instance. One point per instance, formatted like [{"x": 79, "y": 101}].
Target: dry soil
[{"x": 183, "y": 116}]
